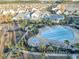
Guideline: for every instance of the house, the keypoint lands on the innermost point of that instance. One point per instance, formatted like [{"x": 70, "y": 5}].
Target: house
[
  {"x": 59, "y": 9},
  {"x": 22, "y": 16},
  {"x": 36, "y": 14}
]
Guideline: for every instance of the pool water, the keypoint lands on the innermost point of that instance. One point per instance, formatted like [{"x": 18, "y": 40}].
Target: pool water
[{"x": 58, "y": 33}]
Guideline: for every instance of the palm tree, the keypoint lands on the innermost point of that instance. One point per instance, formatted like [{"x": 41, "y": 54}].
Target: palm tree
[{"x": 67, "y": 43}]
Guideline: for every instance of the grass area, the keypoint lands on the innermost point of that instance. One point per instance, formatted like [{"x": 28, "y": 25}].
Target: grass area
[{"x": 48, "y": 2}]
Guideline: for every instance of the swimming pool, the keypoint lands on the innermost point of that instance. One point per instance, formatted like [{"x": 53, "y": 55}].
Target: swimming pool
[
  {"x": 53, "y": 17},
  {"x": 54, "y": 33}
]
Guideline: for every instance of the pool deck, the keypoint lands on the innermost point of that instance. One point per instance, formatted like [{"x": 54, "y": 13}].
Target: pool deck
[{"x": 76, "y": 32}]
